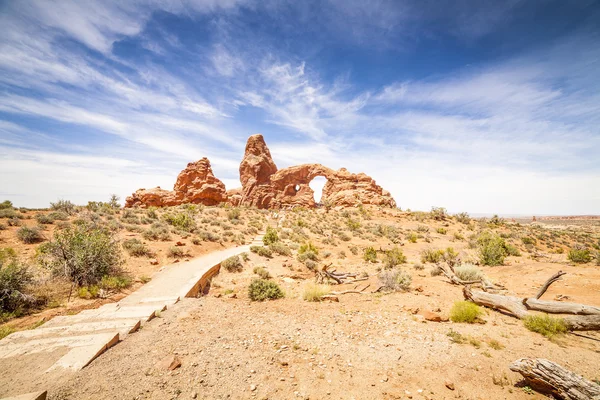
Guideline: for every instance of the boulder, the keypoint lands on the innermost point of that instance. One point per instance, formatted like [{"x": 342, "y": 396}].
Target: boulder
[{"x": 195, "y": 184}]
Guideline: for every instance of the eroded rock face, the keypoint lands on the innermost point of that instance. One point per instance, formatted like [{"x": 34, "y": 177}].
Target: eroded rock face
[
  {"x": 263, "y": 186},
  {"x": 195, "y": 184},
  {"x": 266, "y": 187}
]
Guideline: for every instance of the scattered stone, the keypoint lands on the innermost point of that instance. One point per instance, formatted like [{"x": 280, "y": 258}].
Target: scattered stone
[
  {"x": 330, "y": 298},
  {"x": 253, "y": 388},
  {"x": 169, "y": 363},
  {"x": 449, "y": 385},
  {"x": 431, "y": 316},
  {"x": 154, "y": 261},
  {"x": 179, "y": 244}
]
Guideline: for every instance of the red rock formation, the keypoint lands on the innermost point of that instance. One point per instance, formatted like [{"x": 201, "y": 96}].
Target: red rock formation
[
  {"x": 265, "y": 187},
  {"x": 195, "y": 184}
]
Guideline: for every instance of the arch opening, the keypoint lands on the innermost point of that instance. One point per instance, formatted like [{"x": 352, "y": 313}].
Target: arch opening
[{"x": 317, "y": 184}]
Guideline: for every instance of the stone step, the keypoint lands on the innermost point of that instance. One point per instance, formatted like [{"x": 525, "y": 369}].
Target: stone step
[{"x": 123, "y": 326}]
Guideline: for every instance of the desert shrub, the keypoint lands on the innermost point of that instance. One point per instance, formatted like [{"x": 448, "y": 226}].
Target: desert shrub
[
  {"x": 468, "y": 272},
  {"x": 310, "y": 264},
  {"x": 29, "y": 235},
  {"x": 262, "y": 272},
  {"x": 129, "y": 217},
  {"x": 9, "y": 213},
  {"x": 244, "y": 256},
  {"x": 442, "y": 231},
  {"x": 353, "y": 224},
  {"x": 262, "y": 251},
  {"x": 458, "y": 236},
  {"x": 432, "y": 256},
  {"x": 512, "y": 250},
  {"x": 344, "y": 236},
  {"x": 370, "y": 255},
  {"x": 463, "y": 218},
  {"x": 393, "y": 258},
  {"x": 545, "y": 324},
  {"x": 181, "y": 220},
  {"x": 44, "y": 219},
  {"x": 419, "y": 267},
  {"x": 15, "y": 221},
  {"x": 234, "y": 214},
  {"x": 2, "y": 227},
  {"x": 270, "y": 236},
  {"x": 395, "y": 280},
  {"x": 176, "y": 252},
  {"x": 412, "y": 237},
  {"x": 436, "y": 270},
  {"x": 353, "y": 250},
  {"x": 88, "y": 292},
  {"x": 136, "y": 248},
  {"x": 422, "y": 228},
  {"x": 528, "y": 240},
  {"x": 63, "y": 205},
  {"x": 115, "y": 282},
  {"x": 281, "y": 249},
  {"x": 84, "y": 254},
  {"x": 14, "y": 280},
  {"x": 579, "y": 255},
  {"x": 151, "y": 213},
  {"x": 315, "y": 292},
  {"x": 492, "y": 248},
  {"x": 465, "y": 311},
  {"x": 6, "y": 204},
  {"x": 308, "y": 247},
  {"x": 233, "y": 264},
  {"x": 263, "y": 289},
  {"x": 209, "y": 236},
  {"x": 157, "y": 231},
  {"x": 438, "y": 213}
]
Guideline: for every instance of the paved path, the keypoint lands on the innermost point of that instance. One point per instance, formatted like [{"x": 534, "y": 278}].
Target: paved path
[{"x": 75, "y": 340}]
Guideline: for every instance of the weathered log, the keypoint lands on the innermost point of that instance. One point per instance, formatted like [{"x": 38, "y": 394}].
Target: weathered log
[
  {"x": 510, "y": 304},
  {"x": 550, "y": 378},
  {"x": 549, "y": 282},
  {"x": 517, "y": 307},
  {"x": 557, "y": 307}
]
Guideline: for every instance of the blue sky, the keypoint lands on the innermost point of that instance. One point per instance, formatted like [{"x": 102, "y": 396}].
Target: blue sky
[{"x": 478, "y": 106}]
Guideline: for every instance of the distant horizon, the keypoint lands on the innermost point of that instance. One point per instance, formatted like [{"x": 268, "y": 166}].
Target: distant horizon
[{"x": 481, "y": 105}]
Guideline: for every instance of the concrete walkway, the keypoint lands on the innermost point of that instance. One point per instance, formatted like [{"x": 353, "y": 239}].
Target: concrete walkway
[{"x": 75, "y": 340}]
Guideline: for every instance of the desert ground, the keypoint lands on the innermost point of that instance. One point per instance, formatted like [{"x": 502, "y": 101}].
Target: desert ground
[{"x": 394, "y": 336}]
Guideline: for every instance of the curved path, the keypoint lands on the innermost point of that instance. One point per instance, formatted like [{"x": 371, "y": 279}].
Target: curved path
[{"x": 69, "y": 343}]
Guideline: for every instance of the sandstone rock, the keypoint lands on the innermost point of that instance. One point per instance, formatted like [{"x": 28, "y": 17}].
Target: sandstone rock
[
  {"x": 195, "y": 184},
  {"x": 154, "y": 261},
  {"x": 431, "y": 316},
  {"x": 264, "y": 186},
  {"x": 449, "y": 385},
  {"x": 169, "y": 363},
  {"x": 331, "y": 298}
]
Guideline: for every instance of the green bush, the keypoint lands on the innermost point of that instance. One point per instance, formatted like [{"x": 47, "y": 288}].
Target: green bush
[
  {"x": 6, "y": 204},
  {"x": 412, "y": 237},
  {"x": 63, "y": 205},
  {"x": 492, "y": 248},
  {"x": 136, "y": 248},
  {"x": 262, "y": 289},
  {"x": 393, "y": 258},
  {"x": 465, "y": 311},
  {"x": 9, "y": 213},
  {"x": 14, "y": 281},
  {"x": 84, "y": 254},
  {"x": 209, "y": 236},
  {"x": 352, "y": 224},
  {"x": 512, "y": 250},
  {"x": 308, "y": 247},
  {"x": 528, "y": 240},
  {"x": 44, "y": 219},
  {"x": 370, "y": 255},
  {"x": 181, "y": 220},
  {"x": 442, "y": 231},
  {"x": 234, "y": 214},
  {"x": 281, "y": 249},
  {"x": 545, "y": 324},
  {"x": 579, "y": 255},
  {"x": 395, "y": 280},
  {"x": 262, "y": 251},
  {"x": 439, "y": 213},
  {"x": 29, "y": 235},
  {"x": 233, "y": 264},
  {"x": 176, "y": 252},
  {"x": 463, "y": 218},
  {"x": 270, "y": 236},
  {"x": 262, "y": 273},
  {"x": 432, "y": 256},
  {"x": 157, "y": 231}
]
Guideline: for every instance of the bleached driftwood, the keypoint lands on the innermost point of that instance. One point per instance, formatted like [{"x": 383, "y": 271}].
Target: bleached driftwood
[{"x": 550, "y": 378}]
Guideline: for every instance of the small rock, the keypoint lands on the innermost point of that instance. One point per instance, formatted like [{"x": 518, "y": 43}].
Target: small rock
[
  {"x": 253, "y": 388},
  {"x": 169, "y": 363},
  {"x": 154, "y": 261},
  {"x": 431, "y": 316},
  {"x": 175, "y": 261},
  {"x": 419, "y": 288},
  {"x": 232, "y": 296},
  {"x": 330, "y": 298},
  {"x": 180, "y": 244},
  {"x": 449, "y": 385}
]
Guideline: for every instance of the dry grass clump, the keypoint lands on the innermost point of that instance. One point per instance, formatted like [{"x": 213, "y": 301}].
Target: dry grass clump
[
  {"x": 468, "y": 272},
  {"x": 136, "y": 248},
  {"x": 579, "y": 255},
  {"x": 280, "y": 248},
  {"x": 545, "y": 325},
  {"x": 314, "y": 292},
  {"x": 262, "y": 272},
  {"x": 396, "y": 280},
  {"x": 262, "y": 251},
  {"x": 29, "y": 235},
  {"x": 465, "y": 311}
]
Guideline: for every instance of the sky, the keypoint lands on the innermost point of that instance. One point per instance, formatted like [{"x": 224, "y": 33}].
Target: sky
[{"x": 472, "y": 105}]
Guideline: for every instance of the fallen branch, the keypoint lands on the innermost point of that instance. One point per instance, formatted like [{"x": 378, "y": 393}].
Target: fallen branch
[
  {"x": 351, "y": 291},
  {"x": 323, "y": 275},
  {"x": 549, "y": 282},
  {"x": 550, "y": 378},
  {"x": 483, "y": 283}
]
